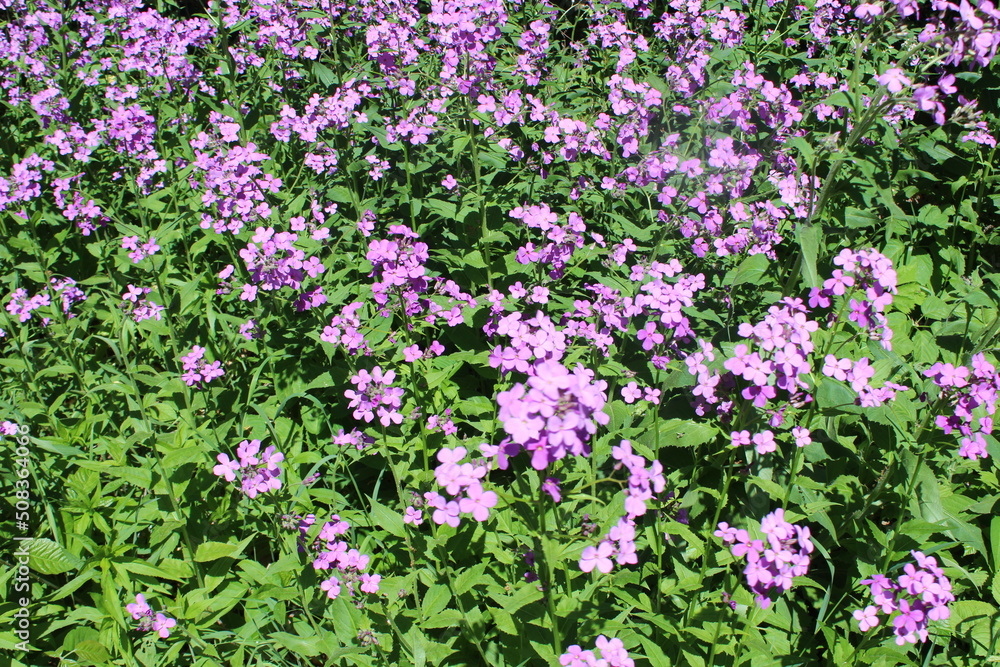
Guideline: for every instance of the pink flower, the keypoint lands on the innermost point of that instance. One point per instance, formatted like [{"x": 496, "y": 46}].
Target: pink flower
[
  {"x": 478, "y": 502},
  {"x": 894, "y": 79},
  {"x": 139, "y": 608},
  {"x": 631, "y": 392},
  {"x": 867, "y": 618},
  {"x": 867, "y": 11},
  {"x": 599, "y": 557},
  {"x": 413, "y": 516},
  {"x": 162, "y": 625}
]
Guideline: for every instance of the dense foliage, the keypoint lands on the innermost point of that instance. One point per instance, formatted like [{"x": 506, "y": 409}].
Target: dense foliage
[{"x": 397, "y": 332}]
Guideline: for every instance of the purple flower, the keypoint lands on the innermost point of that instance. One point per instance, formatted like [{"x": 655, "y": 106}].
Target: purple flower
[
  {"x": 257, "y": 474},
  {"x": 556, "y": 414},
  {"x": 867, "y": 618},
  {"x": 374, "y": 395},
  {"x": 631, "y": 392},
  {"x": 148, "y": 621},
  {"x": 478, "y": 502},
  {"x": 599, "y": 557},
  {"x": 921, "y": 594},
  {"x": 772, "y": 564},
  {"x": 139, "y": 608},
  {"x": 551, "y": 487},
  {"x": 162, "y": 625}
]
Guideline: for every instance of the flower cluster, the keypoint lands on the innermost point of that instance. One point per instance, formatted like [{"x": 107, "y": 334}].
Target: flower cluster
[
  {"x": 773, "y": 564},
  {"x": 461, "y": 481},
  {"x": 334, "y": 553},
  {"x": 784, "y": 341},
  {"x": 139, "y": 251},
  {"x": 258, "y": 471},
  {"x": 138, "y": 308},
  {"x": 966, "y": 391},
  {"x": 197, "y": 370},
  {"x": 142, "y": 612},
  {"x": 22, "y": 305},
  {"x": 374, "y": 395},
  {"x": 554, "y": 415},
  {"x": 535, "y": 339},
  {"x": 274, "y": 262},
  {"x": 24, "y": 182},
  {"x": 234, "y": 186},
  {"x": 867, "y": 270},
  {"x": 858, "y": 373},
  {"x": 643, "y": 485},
  {"x": 344, "y": 329},
  {"x": 612, "y": 652},
  {"x": 563, "y": 238},
  {"x": 921, "y": 594},
  {"x": 353, "y": 438},
  {"x": 398, "y": 266},
  {"x": 132, "y": 131}
]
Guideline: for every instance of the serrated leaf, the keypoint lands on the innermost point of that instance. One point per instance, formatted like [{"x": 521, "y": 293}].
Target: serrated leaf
[
  {"x": 436, "y": 600},
  {"x": 209, "y": 551},
  {"x": 178, "y": 457},
  {"x": 48, "y": 557},
  {"x": 90, "y": 651},
  {"x": 504, "y": 622},
  {"x": 809, "y": 237},
  {"x": 385, "y": 518},
  {"x": 301, "y": 646},
  {"x": 678, "y": 433},
  {"x": 751, "y": 270}
]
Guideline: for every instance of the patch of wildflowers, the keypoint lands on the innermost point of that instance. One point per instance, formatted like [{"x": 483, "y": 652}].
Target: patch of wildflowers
[
  {"x": 139, "y": 251},
  {"x": 348, "y": 565},
  {"x": 972, "y": 396},
  {"x": 612, "y": 652},
  {"x": 258, "y": 472},
  {"x": 644, "y": 484},
  {"x": 770, "y": 565},
  {"x": 554, "y": 415},
  {"x": 463, "y": 483},
  {"x": 373, "y": 395},
  {"x": 919, "y": 595},
  {"x": 139, "y": 308},
  {"x": 148, "y": 621},
  {"x": 198, "y": 371}
]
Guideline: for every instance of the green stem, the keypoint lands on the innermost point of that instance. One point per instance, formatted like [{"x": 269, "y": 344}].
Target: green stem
[{"x": 549, "y": 576}]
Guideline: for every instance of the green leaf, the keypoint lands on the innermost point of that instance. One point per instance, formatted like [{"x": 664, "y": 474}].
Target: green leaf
[
  {"x": 504, "y": 622},
  {"x": 178, "y": 457},
  {"x": 976, "y": 622},
  {"x": 809, "y": 237},
  {"x": 436, "y": 600},
  {"x": 301, "y": 646},
  {"x": 678, "y": 433},
  {"x": 48, "y": 557},
  {"x": 857, "y": 218},
  {"x": 751, "y": 270},
  {"x": 91, "y": 651},
  {"x": 469, "y": 577},
  {"x": 209, "y": 551},
  {"x": 385, "y": 518},
  {"x": 445, "y": 209},
  {"x": 833, "y": 396}
]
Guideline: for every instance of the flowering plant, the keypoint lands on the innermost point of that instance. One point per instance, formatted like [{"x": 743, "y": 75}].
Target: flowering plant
[{"x": 497, "y": 315}]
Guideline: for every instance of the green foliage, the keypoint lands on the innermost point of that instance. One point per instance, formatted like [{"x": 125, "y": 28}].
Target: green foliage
[{"x": 120, "y": 451}]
